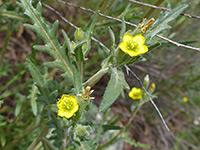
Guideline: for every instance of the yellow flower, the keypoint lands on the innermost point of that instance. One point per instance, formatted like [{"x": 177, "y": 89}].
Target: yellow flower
[
  {"x": 67, "y": 106},
  {"x": 185, "y": 99},
  {"x": 135, "y": 93},
  {"x": 133, "y": 46}
]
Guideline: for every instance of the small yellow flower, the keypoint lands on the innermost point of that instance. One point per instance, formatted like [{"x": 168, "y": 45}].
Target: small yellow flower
[
  {"x": 185, "y": 99},
  {"x": 153, "y": 86},
  {"x": 67, "y": 106},
  {"x": 133, "y": 46},
  {"x": 135, "y": 93}
]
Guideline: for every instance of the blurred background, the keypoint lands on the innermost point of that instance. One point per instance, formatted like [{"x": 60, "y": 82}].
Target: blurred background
[{"x": 174, "y": 70}]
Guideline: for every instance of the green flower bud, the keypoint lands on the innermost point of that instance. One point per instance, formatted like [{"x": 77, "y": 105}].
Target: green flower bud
[
  {"x": 79, "y": 132},
  {"x": 79, "y": 35}
]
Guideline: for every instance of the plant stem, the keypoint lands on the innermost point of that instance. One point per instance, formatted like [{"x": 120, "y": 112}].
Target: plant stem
[
  {"x": 125, "y": 127},
  {"x": 96, "y": 77},
  {"x": 80, "y": 67}
]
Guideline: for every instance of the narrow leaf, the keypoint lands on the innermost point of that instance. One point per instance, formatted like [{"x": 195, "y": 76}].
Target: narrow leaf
[
  {"x": 115, "y": 85},
  {"x": 40, "y": 82},
  {"x": 112, "y": 35},
  {"x": 33, "y": 97},
  {"x": 162, "y": 22},
  {"x": 77, "y": 80},
  {"x": 123, "y": 29},
  {"x": 88, "y": 32}
]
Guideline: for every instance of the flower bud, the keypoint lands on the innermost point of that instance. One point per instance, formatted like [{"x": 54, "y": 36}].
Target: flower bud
[
  {"x": 79, "y": 132},
  {"x": 185, "y": 99},
  {"x": 146, "y": 79},
  {"x": 79, "y": 35}
]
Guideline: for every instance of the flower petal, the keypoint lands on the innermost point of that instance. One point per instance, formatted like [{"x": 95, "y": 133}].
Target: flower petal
[
  {"x": 132, "y": 53},
  {"x": 127, "y": 38},
  {"x": 123, "y": 47},
  {"x": 142, "y": 49},
  {"x": 139, "y": 39}
]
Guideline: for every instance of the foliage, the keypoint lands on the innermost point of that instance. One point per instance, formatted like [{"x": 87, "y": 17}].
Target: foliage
[{"x": 68, "y": 67}]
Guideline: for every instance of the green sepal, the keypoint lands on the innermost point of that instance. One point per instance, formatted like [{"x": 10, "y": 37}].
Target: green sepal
[
  {"x": 82, "y": 105},
  {"x": 79, "y": 35},
  {"x": 78, "y": 52}
]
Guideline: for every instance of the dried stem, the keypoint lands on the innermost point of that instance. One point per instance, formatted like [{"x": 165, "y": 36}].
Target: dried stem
[
  {"x": 149, "y": 95},
  {"x": 162, "y": 8},
  {"x": 131, "y": 24}
]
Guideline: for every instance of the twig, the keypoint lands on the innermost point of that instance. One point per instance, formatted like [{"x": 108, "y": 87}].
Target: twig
[
  {"x": 162, "y": 8},
  {"x": 152, "y": 102},
  {"x": 178, "y": 44},
  {"x": 131, "y": 24}
]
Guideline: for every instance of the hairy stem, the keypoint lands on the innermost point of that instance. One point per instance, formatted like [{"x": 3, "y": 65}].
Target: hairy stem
[{"x": 96, "y": 77}]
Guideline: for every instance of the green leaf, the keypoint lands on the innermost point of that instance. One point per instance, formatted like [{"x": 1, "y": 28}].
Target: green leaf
[
  {"x": 122, "y": 31},
  {"x": 1, "y": 102},
  {"x": 111, "y": 127},
  {"x": 88, "y": 32},
  {"x": 2, "y": 137},
  {"x": 48, "y": 33},
  {"x": 105, "y": 116},
  {"x": 13, "y": 15},
  {"x": 162, "y": 22},
  {"x": 33, "y": 96},
  {"x": 40, "y": 82},
  {"x": 136, "y": 144},
  {"x": 15, "y": 78},
  {"x": 112, "y": 35},
  {"x": 77, "y": 80},
  {"x": 115, "y": 85},
  {"x": 67, "y": 45},
  {"x": 19, "y": 103}
]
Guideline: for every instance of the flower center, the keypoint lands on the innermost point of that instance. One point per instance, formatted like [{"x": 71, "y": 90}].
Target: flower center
[
  {"x": 132, "y": 45},
  {"x": 68, "y": 105}
]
